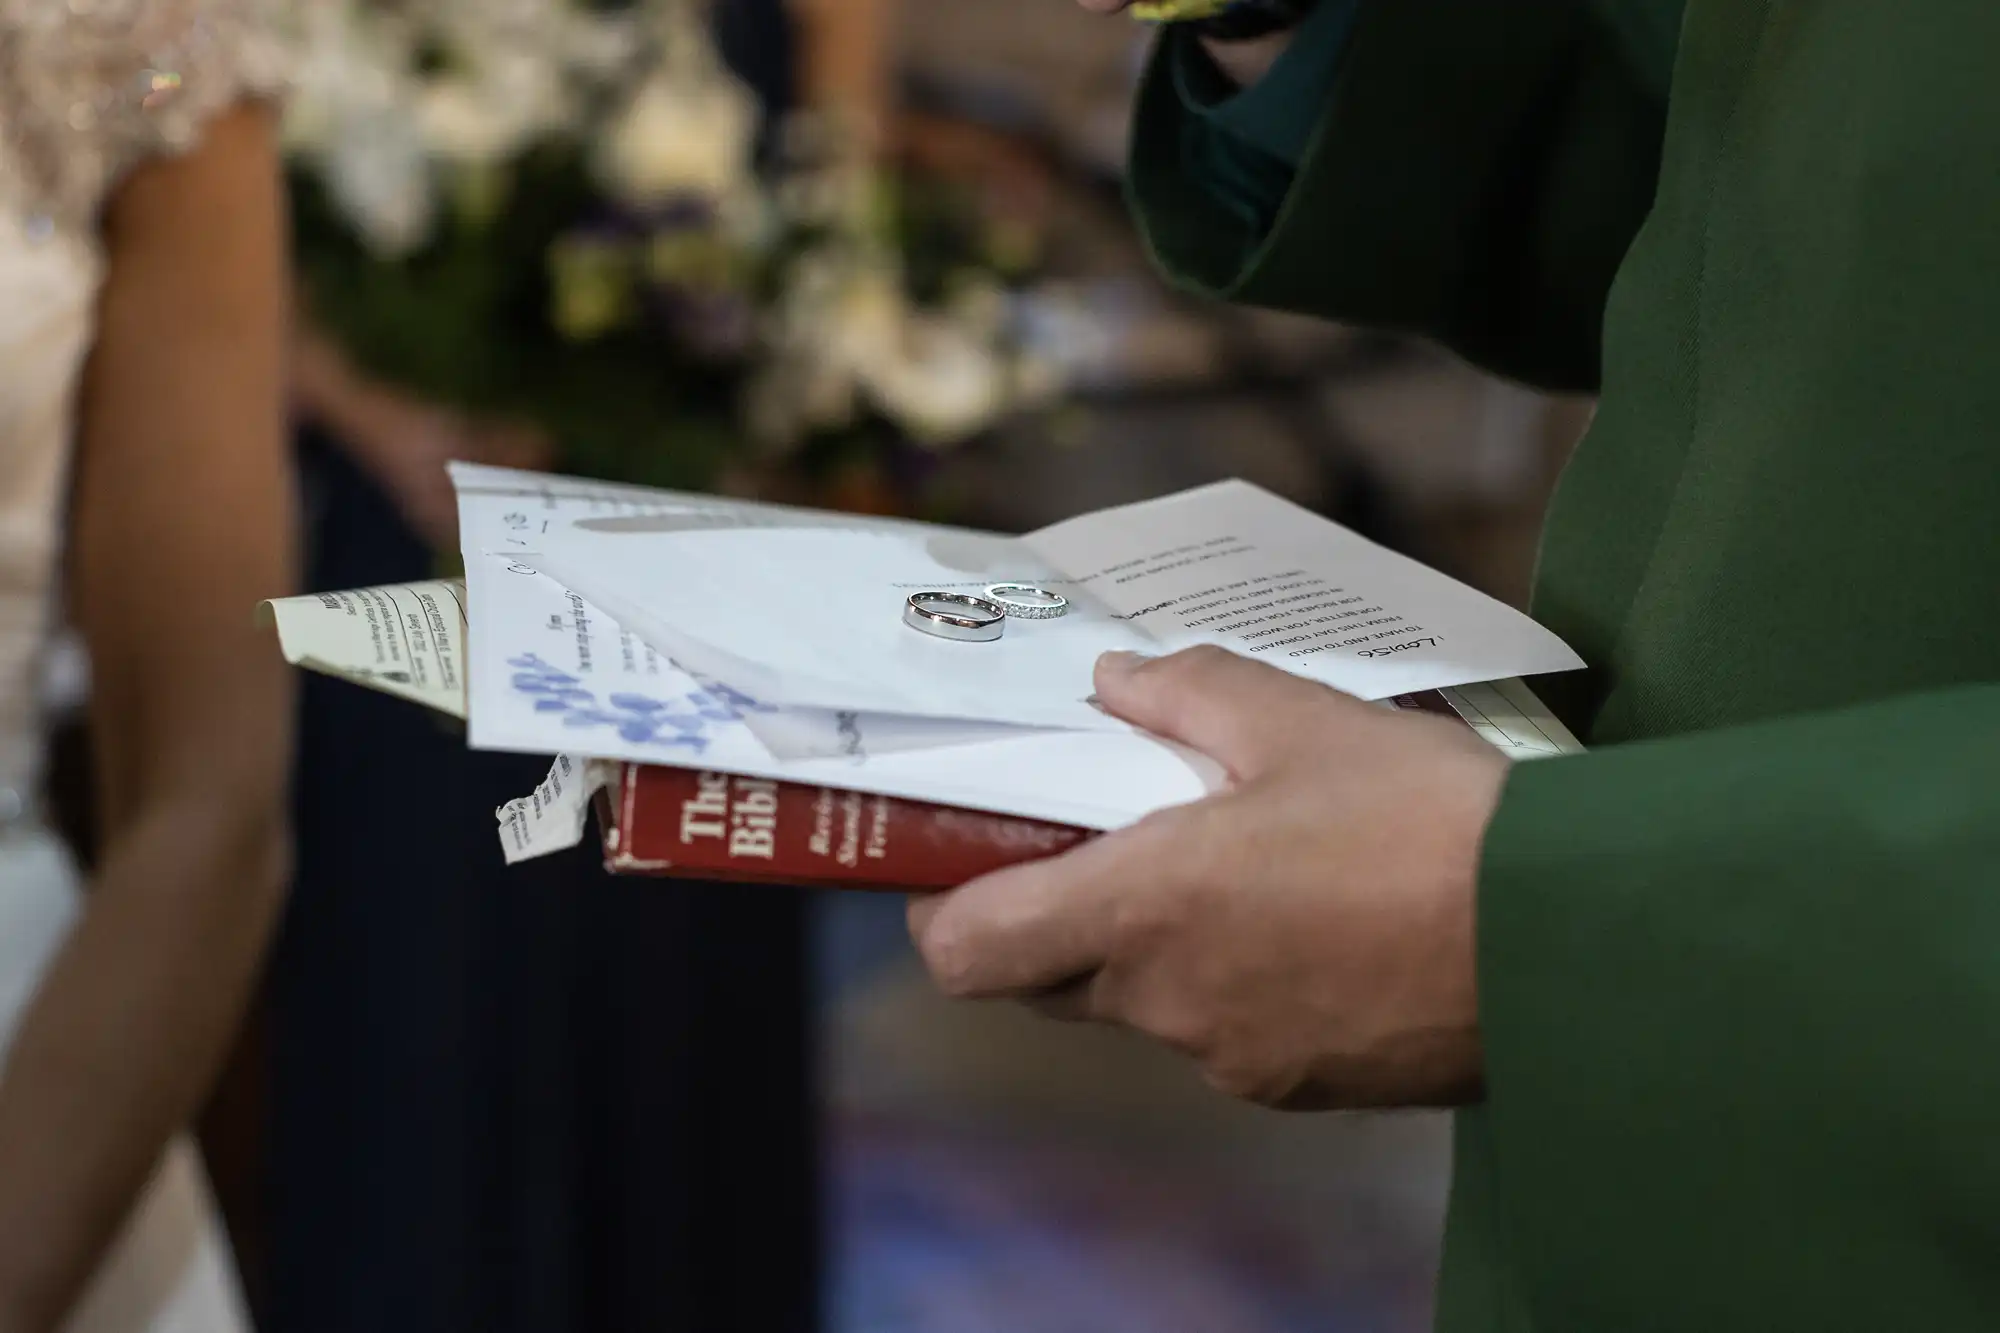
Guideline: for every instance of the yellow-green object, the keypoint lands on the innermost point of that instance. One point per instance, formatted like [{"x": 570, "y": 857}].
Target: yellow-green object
[
  {"x": 1178, "y": 11},
  {"x": 591, "y": 288},
  {"x": 479, "y": 191},
  {"x": 695, "y": 259}
]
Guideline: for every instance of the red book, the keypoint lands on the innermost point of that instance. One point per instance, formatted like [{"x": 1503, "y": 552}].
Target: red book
[
  {"x": 683, "y": 823},
  {"x": 680, "y": 822}
]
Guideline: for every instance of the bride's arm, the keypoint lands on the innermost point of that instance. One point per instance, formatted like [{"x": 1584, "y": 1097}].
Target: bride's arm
[{"x": 183, "y": 522}]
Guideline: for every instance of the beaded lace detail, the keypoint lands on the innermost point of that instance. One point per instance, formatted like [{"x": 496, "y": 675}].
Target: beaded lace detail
[{"x": 89, "y": 88}]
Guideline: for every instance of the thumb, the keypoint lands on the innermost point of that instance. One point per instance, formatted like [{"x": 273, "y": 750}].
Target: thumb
[{"x": 1241, "y": 713}]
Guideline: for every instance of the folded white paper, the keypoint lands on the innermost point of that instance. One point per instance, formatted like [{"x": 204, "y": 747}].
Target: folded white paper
[
  {"x": 552, "y": 673},
  {"x": 553, "y": 670},
  {"x": 812, "y": 617}
]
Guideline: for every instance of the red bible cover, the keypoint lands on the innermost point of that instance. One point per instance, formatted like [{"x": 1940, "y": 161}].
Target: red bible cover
[{"x": 683, "y": 823}]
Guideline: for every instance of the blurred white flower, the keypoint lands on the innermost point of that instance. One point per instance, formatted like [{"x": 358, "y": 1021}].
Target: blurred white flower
[
  {"x": 460, "y": 123},
  {"x": 597, "y": 46},
  {"x": 847, "y": 331},
  {"x": 394, "y": 97},
  {"x": 379, "y": 175},
  {"x": 347, "y": 68},
  {"x": 490, "y": 116},
  {"x": 680, "y": 138},
  {"x": 937, "y": 381}
]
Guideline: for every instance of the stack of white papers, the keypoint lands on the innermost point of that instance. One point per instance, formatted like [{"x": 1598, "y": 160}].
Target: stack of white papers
[{"x": 620, "y": 623}]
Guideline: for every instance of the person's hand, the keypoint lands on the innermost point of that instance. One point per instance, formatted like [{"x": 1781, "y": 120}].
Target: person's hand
[
  {"x": 1307, "y": 935},
  {"x": 1243, "y": 62},
  {"x": 402, "y": 442},
  {"x": 404, "y": 445}
]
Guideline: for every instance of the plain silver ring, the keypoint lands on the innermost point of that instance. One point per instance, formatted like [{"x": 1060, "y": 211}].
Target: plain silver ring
[
  {"x": 982, "y": 622},
  {"x": 1014, "y": 599}
]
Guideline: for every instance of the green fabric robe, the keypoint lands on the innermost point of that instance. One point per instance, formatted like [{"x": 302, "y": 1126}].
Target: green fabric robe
[{"x": 1740, "y": 966}]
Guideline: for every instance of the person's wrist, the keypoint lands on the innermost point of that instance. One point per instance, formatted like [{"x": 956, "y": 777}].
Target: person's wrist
[
  {"x": 1244, "y": 62},
  {"x": 1244, "y": 38},
  {"x": 389, "y": 428},
  {"x": 331, "y": 391},
  {"x": 1249, "y": 20},
  {"x": 364, "y": 416},
  {"x": 1449, "y": 1064}
]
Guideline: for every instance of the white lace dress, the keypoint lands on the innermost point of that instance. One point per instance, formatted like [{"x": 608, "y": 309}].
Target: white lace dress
[{"x": 88, "y": 88}]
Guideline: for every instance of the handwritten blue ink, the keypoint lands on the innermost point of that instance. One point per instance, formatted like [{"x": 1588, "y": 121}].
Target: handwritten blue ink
[
  {"x": 735, "y": 700},
  {"x": 637, "y": 718}
]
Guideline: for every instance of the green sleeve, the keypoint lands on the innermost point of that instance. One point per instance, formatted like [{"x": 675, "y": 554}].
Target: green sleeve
[
  {"x": 1243, "y": 146},
  {"x": 1741, "y": 989},
  {"x": 1474, "y": 174}
]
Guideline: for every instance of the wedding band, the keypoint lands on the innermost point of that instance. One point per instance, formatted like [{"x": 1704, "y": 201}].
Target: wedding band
[
  {"x": 980, "y": 622},
  {"x": 1024, "y": 601}
]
